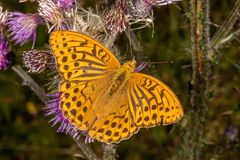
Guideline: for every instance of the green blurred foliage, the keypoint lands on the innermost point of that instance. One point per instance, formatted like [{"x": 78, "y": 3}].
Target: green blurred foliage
[{"x": 26, "y": 134}]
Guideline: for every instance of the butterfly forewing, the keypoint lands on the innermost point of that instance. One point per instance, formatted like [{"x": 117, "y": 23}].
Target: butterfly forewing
[
  {"x": 86, "y": 68},
  {"x": 152, "y": 102},
  {"x": 80, "y": 58}
]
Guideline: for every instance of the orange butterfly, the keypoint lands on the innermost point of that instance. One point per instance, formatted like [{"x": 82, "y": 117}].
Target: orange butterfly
[{"x": 108, "y": 100}]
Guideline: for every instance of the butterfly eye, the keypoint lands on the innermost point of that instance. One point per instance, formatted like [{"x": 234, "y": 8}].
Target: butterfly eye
[{"x": 133, "y": 63}]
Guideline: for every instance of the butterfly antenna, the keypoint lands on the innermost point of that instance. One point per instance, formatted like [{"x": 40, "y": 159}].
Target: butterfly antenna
[
  {"x": 143, "y": 64},
  {"x": 163, "y": 62}
]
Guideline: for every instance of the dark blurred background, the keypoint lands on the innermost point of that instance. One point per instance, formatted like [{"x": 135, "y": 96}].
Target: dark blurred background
[{"x": 26, "y": 134}]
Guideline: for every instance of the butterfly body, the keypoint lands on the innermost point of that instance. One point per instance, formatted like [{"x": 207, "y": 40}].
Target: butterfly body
[
  {"x": 107, "y": 100},
  {"x": 121, "y": 76}
]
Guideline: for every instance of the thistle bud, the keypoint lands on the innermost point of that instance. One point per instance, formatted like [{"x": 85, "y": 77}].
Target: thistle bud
[{"x": 37, "y": 61}]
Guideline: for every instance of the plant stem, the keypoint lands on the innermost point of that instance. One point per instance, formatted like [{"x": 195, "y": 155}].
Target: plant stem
[
  {"x": 226, "y": 27},
  {"x": 86, "y": 149},
  {"x": 110, "y": 152},
  {"x": 28, "y": 81},
  {"x": 229, "y": 37},
  {"x": 193, "y": 137}
]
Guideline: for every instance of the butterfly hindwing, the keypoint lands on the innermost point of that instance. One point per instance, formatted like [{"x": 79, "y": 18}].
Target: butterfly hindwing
[
  {"x": 114, "y": 128},
  {"x": 76, "y": 103},
  {"x": 80, "y": 58},
  {"x": 115, "y": 123},
  {"x": 152, "y": 102}
]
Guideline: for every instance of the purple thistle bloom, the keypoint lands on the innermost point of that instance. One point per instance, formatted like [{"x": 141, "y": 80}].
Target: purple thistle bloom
[
  {"x": 66, "y": 4},
  {"x": 88, "y": 139},
  {"x": 53, "y": 108},
  {"x": 22, "y": 27},
  {"x": 5, "y": 55}
]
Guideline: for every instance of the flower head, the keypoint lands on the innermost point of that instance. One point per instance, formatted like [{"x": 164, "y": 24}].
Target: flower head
[
  {"x": 22, "y": 27},
  {"x": 3, "y": 18},
  {"x": 6, "y": 57},
  {"x": 66, "y": 4},
  {"x": 116, "y": 18},
  {"x": 52, "y": 13},
  {"x": 126, "y": 13},
  {"x": 143, "y": 8},
  {"x": 37, "y": 61},
  {"x": 53, "y": 108}
]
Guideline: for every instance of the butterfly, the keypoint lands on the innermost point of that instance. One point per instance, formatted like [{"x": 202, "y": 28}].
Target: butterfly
[{"x": 107, "y": 100}]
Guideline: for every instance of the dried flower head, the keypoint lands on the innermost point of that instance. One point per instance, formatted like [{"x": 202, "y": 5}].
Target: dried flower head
[
  {"x": 53, "y": 14},
  {"x": 143, "y": 8},
  {"x": 88, "y": 22},
  {"x": 126, "y": 13},
  {"x": 38, "y": 60},
  {"x": 116, "y": 19},
  {"x": 6, "y": 57},
  {"x": 22, "y": 27},
  {"x": 3, "y": 18}
]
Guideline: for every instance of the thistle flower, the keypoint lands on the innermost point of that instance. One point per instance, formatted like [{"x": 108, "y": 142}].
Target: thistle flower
[
  {"x": 52, "y": 13},
  {"x": 3, "y": 18},
  {"x": 53, "y": 108},
  {"x": 66, "y": 4},
  {"x": 143, "y": 8},
  {"x": 22, "y": 27},
  {"x": 126, "y": 13},
  {"x": 37, "y": 61},
  {"x": 116, "y": 18},
  {"x": 5, "y": 56}
]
